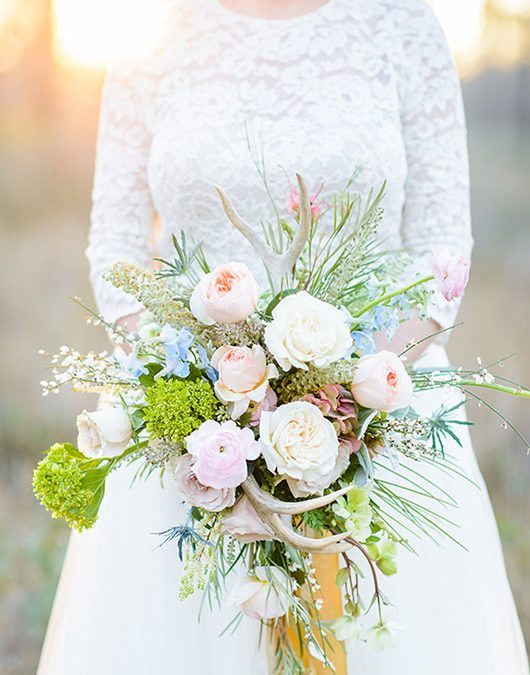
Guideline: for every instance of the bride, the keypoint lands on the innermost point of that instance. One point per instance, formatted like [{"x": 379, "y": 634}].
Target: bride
[{"x": 318, "y": 87}]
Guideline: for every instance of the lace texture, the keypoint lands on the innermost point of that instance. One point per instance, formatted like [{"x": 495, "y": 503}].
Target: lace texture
[{"x": 356, "y": 82}]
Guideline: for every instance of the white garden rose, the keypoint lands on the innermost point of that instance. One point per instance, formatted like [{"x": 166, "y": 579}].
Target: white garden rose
[
  {"x": 304, "y": 488},
  {"x": 298, "y": 442},
  {"x": 306, "y": 330},
  {"x": 104, "y": 433}
]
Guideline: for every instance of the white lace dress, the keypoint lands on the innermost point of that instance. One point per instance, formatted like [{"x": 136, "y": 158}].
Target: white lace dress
[{"x": 355, "y": 82}]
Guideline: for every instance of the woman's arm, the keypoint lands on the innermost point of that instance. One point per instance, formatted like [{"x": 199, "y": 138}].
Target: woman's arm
[
  {"x": 122, "y": 214},
  {"x": 437, "y": 208}
]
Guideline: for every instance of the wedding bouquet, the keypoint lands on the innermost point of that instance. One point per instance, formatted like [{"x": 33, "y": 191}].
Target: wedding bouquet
[{"x": 274, "y": 415}]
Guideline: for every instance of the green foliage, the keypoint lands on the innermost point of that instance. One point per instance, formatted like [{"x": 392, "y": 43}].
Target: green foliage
[
  {"x": 70, "y": 486},
  {"x": 317, "y": 520},
  {"x": 185, "y": 261},
  {"x": 175, "y": 408}
]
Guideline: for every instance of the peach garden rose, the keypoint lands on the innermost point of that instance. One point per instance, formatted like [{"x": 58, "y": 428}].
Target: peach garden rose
[
  {"x": 243, "y": 377},
  {"x": 227, "y": 295},
  {"x": 381, "y": 382}
]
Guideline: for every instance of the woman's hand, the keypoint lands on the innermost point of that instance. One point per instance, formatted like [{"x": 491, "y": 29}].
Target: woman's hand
[
  {"x": 130, "y": 324},
  {"x": 412, "y": 330}
]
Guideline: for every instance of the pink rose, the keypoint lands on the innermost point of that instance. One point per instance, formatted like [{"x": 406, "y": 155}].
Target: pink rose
[
  {"x": 257, "y": 598},
  {"x": 243, "y": 377},
  {"x": 244, "y": 524},
  {"x": 194, "y": 492},
  {"x": 227, "y": 295},
  {"x": 381, "y": 382},
  {"x": 269, "y": 404},
  {"x": 221, "y": 452},
  {"x": 451, "y": 273}
]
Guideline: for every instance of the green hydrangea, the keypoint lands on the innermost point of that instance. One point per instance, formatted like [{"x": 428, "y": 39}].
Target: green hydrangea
[
  {"x": 60, "y": 483},
  {"x": 176, "y": 408},
  {"x": 355, "y": 512}
]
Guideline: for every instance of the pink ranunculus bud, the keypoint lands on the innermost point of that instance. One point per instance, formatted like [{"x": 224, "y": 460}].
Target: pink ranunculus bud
[
  {"x": 380, "y": 382},
  {"x": 227, "y": 295},
  {"x": 244, "y": 524},
  {"x": 450, "y": 272},
  {"x": 243, "y": 377},
  {"x": 221, "y": 452}
]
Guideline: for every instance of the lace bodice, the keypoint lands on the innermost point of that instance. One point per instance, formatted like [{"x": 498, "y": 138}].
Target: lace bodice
[{"x": 356, "y": 82}]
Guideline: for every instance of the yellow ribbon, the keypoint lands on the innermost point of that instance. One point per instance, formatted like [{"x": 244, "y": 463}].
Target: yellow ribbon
[{"x": 326, "y": 568}]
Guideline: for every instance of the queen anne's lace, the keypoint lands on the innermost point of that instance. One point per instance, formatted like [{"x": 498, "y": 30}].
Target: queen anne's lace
[{"x": 355, "y": 82}]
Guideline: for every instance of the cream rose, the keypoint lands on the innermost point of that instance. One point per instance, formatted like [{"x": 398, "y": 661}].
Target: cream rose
[
  {"x": 306, "y": 330},
  {"x": 104, "y": 433},
  {"x": 243, "y": 377},
  {"x": 298, "y": 442},
  {"x": 380, "y": 382},
  {"x": 304, "y": 488},
  {"x": 227, "y": 295}
]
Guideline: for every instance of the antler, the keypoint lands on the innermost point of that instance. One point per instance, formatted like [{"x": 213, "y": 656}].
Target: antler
[
  {"x": 278, "y": 264},
  {"x": 269, "y": 509}
]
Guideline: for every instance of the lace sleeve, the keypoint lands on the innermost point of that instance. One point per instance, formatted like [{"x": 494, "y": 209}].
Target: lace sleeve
[
  {"x": 122, "y": 213},
  {"x": 437, "y": 209}
]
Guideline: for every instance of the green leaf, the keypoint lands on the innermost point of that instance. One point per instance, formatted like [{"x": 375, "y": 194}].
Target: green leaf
[
  {"x": 342, "y": 576},
  {"x": 278, "y": 298}
]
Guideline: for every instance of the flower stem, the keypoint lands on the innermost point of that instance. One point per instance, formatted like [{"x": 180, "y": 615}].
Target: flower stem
[
  {"x": 512, "y": 391},
  {"x": 392, "y": 294}
]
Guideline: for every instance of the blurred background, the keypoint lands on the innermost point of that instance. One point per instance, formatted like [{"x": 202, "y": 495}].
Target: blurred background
[{"x": 52, "y": 59}]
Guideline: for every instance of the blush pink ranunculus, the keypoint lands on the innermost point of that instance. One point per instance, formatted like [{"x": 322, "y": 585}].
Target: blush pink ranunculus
[
  {"x": 380, "y": 382},
  {"x": 258, "y": 598},
  {"x": 243, "y": 377},
  {"x": 194, "y": 492},
  {"x": 221, "y": 452},
  {"x": 227, "y": 295},
  {"x": 244, "y": 524},
  {"x": 451, "y": 273}
]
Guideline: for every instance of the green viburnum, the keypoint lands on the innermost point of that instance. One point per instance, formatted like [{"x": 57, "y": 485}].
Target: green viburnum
[
  {"x": 69, "y": 485},
  {"x": 176, "y": 408},
  {"x": 356, "y": 512}
]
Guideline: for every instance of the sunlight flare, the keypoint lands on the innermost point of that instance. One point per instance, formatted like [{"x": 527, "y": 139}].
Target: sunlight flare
[{"x": 90, "y": 34}]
